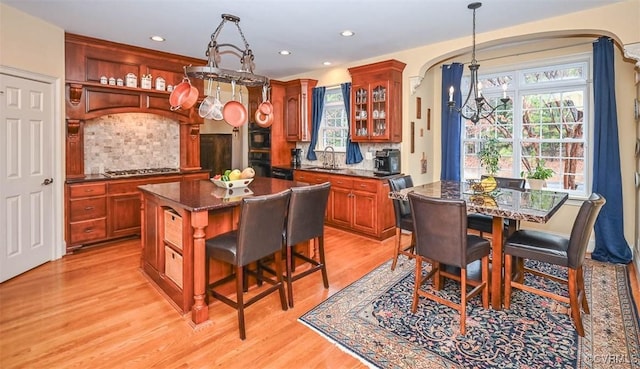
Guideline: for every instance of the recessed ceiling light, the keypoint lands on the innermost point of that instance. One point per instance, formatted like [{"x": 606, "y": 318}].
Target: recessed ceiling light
[
  {"x": 347, "y": 33},
  {"x": 285, "y": 52},
  {"x": 326, "y": 63},
  {"x": 157, "y": 38}
]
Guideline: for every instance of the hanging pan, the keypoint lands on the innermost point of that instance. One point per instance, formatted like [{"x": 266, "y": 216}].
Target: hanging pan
[
  {"x": 183, "y": 96},
  {"x": 234, "y": 112}
]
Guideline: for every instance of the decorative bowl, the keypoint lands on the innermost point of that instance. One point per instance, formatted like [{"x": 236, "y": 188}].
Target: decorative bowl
[{"x": 232, "y": 184}]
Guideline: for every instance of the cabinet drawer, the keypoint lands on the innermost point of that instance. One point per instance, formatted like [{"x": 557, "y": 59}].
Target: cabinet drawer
[
  {"x": 173, "y": 228},
  {"x": 341, "y": 181},
  {"x": 173, "y": 265},
  {"x": 88, "y": 230},
  {"x": 87, "y": 209},
  {"x": 86, "y": 190},
  {"x": 368, "y": 186}
]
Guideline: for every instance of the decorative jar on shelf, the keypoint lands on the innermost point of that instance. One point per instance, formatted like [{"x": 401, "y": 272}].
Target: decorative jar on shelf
[
  {"x": 160, "y": 84},
  {"x": 145, "y": 81},
  {"x": 131, "y": 80}
]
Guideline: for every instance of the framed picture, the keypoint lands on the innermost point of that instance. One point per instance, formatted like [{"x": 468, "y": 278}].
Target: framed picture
[
  {"x": 636, "y": 109},
  {"x": 418, "y": 107}
]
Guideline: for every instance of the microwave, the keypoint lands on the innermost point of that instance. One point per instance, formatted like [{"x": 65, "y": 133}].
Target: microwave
[{"x": 260, "y": 138}]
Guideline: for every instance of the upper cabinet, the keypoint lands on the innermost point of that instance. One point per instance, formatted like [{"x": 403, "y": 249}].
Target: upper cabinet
[
  {"x": 297, "y": 109},
  {"x": 88, "y": 60},
  {"x": 376, "y": 102}
]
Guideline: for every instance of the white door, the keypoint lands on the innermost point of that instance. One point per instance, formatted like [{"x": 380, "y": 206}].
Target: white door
[{"x": 26, "y": 172}]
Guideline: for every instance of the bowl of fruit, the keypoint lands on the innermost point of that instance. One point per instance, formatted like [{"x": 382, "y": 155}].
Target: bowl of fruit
[{"x": 234, "y": 178}]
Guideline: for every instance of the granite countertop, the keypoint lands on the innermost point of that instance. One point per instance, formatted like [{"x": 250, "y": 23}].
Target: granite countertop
[
  {"x": 102, "y": 177},
  {"x": 339, "y": 171}
]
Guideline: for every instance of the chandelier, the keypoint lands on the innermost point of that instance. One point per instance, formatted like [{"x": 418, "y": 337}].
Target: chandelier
[
  {"x": 475, "y": 106},
  {"x": 243, "y": 76}
]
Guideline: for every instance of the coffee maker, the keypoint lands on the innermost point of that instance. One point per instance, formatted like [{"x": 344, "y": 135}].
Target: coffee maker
[
  {"x": 296, "y": 158},
  {"x": 387, "y": 162}
]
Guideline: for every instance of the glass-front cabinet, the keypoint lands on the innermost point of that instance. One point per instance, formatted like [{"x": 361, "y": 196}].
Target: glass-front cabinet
[{"x": 376, "y": 102}]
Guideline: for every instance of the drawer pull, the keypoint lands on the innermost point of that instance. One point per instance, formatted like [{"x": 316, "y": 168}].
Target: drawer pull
[
  {"x": 88, "y": 230},
  {"x": 89, "y": 208}
]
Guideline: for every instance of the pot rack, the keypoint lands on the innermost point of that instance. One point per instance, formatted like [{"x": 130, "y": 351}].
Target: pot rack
[{"x": 212, "y": 71}]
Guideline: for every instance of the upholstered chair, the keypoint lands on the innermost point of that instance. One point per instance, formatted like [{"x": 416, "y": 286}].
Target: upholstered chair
[
  {"x": 404, "y": 222},
  {"x": 259, "y": 235},
  {"x": 557, "y": 250},
  {"x": 440, "y": 228},
  {"x": 305, "y": 222}
]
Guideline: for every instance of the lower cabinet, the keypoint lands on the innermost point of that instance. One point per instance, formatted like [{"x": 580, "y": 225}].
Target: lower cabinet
[
  {"x": 104, "y": 210},
  {"x": 357, "y": 204}
]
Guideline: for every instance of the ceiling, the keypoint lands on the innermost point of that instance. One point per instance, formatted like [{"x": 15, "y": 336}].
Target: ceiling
[{"x": 310, "y": 29}]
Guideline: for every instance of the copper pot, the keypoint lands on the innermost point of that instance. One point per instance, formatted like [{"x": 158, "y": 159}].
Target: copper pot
[
  {"x": 263, "y": 120},
  {"x": 234, "y": 112},
  {"x": 183, "y": 96}
]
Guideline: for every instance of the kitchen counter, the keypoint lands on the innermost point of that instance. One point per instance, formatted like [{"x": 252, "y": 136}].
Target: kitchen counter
[
  {"x": 102, "y": 177},
  {"x": 341, "y": 171},
  {"x": 177, "y": 218}
]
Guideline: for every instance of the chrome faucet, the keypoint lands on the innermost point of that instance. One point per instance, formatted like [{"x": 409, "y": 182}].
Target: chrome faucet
[{"x": 333, "y": 157}]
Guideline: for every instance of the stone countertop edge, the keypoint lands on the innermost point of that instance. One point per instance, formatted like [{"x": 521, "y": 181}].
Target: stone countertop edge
[
  {"x": 99, "y": 177},
  {"x": 363, "y": 173}
]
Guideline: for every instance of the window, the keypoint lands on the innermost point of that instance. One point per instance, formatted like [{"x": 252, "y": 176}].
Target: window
[
  {"x": 544, "y": 121},
  {"x": 334, "y": 128}
]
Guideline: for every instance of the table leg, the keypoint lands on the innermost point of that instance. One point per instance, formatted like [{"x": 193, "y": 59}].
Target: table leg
[
  {"x": 200, "y": 310},
  {"x": 496, "y": 262}
]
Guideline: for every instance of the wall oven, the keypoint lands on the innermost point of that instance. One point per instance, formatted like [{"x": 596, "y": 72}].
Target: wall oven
[
  {"x": 260, "y": 150},
  {"x": 259, "y": 138}
]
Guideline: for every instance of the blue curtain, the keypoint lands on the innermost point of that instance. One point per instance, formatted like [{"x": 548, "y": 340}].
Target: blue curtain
[
  {"x": 451, "y": 123},
  {"x": 317, "y": 106},
  {"x": 609, "y": 231},
  {"x": 354, "y": 155}
]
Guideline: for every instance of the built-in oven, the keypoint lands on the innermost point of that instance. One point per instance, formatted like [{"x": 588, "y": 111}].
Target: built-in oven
[
  {"x": 260, "y": 161},
  {"x": 259, "y": 138}
]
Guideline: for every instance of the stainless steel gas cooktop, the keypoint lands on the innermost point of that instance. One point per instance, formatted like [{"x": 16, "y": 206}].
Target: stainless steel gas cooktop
[{"x": 138, "y": 172}]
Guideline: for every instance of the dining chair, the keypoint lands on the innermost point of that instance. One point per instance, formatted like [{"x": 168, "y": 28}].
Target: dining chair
[
  {"x": 305, "y": 222},
  {"x": 258, "y": 235},
  {"x": 404, "y": 221},
  {"x": 557, "y": 250},
  {"x": 440, "y": 228},
  {"x": 483, "y": 223}
]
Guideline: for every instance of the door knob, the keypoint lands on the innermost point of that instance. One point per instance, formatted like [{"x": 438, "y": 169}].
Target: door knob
[{"x": 47, "y": 181}]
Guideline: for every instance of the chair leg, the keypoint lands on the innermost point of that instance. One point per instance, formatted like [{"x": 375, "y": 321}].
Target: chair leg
[
  {"x": 573, "y": 301},
  {"x": 585, "y": 303},
  {"x": 417, "y": 283},
  {"x": 507, "y": 280},
  {"x": 289, "y": 274},
  {"x": 463, "y": 301},
  {"x": 485, "y": 280},
  {"x": 398, "y": 248},
  {"x": 325, "y": 277},
  {"x": 278, "y": 262},
  {"x": 240, "y": 301}
]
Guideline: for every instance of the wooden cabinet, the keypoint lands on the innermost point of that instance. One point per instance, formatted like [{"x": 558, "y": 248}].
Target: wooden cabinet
[
  {"x": 376, "y": 102},
  {"x": 100, "y": 211},
  {"x": 297, "y": 109},
  {"x": 86, "y": 210},
  {"x": 88, "y": 59},
  {"x": 357, "y": 204}
]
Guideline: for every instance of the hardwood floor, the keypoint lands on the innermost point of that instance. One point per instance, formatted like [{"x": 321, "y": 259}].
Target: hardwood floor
[{"x": 96, "y": 309}]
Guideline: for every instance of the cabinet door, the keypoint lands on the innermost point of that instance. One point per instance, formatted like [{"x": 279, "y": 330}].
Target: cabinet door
[
  {"x": 364, "y": 211},
  {"x": 379, "y": 122},
  {"x": 341, "y": 209},
  {"x": 292, "y": 118},
  {"x": 125, "y": 215},
  {"x": 359, "y": 112}
]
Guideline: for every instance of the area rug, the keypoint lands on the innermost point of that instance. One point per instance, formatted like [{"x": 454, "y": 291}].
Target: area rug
[{"x": 372, "y": 320}]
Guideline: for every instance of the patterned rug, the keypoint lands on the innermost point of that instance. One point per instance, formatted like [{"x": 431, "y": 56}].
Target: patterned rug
[{"x": 372, "y": 320}]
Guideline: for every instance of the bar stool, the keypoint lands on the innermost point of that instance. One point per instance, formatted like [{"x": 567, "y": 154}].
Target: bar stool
[{"x": 259, "y": 235}]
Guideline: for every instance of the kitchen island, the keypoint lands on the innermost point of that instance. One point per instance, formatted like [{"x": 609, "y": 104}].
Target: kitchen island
[{"x": 177, "y": 218}]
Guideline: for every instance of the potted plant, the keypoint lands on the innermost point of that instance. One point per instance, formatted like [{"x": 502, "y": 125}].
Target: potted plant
[
  {"x": 489, "y": 156},
  {"x": 538, "y": 176}
]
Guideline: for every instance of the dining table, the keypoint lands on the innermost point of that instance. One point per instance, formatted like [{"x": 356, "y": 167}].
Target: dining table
[{"x": 536, "y": 206}]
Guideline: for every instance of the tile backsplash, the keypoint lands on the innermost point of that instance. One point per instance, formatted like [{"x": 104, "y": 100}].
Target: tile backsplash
[
  {"x": 131, "y": 141},
  {"x": 365, "y": 164}
]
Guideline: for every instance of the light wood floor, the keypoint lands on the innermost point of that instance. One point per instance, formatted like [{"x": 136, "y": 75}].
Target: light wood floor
[{"x": 95, "y": 309}]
